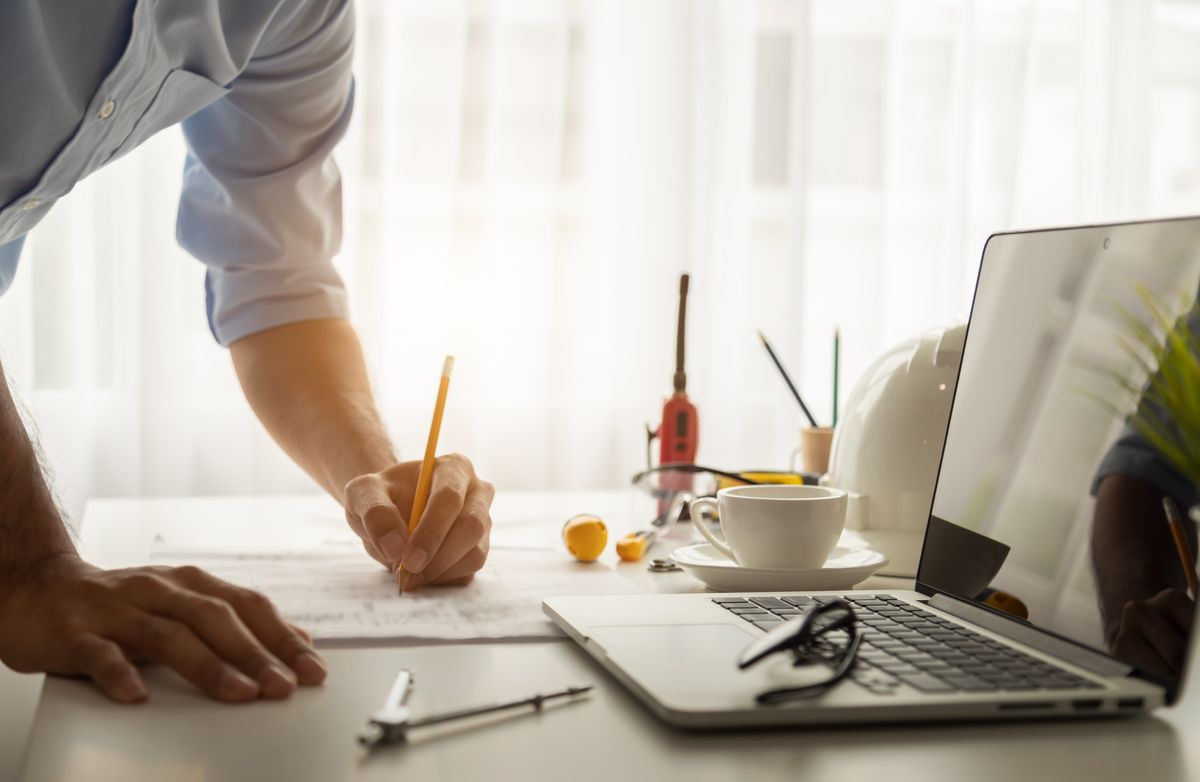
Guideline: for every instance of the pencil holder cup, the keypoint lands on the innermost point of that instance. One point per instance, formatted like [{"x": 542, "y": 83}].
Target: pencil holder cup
[{"x": 813, "y": 452}]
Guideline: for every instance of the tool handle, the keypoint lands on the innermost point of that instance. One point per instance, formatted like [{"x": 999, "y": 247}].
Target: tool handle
[
  {"x": 535, "y": 701},
  {"x": 680, "y": 380},
  {"x": 389, "y": 723},
  {"x": 633, "y": 546}
]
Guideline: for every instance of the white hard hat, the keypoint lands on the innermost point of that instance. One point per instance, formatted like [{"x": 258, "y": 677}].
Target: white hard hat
[{"x": 888, "y": 444}]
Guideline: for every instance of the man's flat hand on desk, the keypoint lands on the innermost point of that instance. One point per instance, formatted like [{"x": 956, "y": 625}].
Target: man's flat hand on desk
[
  {"x": 71, "y": 618},
  {"x": 451, "y": 541}
]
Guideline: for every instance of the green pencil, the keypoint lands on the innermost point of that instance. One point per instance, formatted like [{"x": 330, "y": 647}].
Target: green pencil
[{"x": 837, "y": 346}]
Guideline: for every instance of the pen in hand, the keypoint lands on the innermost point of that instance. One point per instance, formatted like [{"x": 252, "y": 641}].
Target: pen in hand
[
  {"x": 425, "y": 476},
  {"x": 1181, "y": 545}
]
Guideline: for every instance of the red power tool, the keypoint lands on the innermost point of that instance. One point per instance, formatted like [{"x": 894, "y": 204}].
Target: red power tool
[{"x": 678, "y": 433}]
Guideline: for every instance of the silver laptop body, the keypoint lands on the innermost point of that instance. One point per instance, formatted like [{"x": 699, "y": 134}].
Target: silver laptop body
[{"x": 1024, "y": 441}]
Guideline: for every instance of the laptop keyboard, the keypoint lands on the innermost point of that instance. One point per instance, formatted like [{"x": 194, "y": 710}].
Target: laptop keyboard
[{"x": 904, "y": 643}]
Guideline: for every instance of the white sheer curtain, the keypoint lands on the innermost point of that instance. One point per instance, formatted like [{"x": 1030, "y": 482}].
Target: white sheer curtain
[{"x": 525, "y": 179}]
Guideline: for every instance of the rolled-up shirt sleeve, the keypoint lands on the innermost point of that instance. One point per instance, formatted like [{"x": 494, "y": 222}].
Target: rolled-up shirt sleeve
[
  {"x": 261, "y": 200},
  {"x": 1132, "y": 454}
]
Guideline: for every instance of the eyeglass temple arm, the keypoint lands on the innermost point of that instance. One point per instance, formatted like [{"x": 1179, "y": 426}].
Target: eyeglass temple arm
[{"x": 794, "y": 632}]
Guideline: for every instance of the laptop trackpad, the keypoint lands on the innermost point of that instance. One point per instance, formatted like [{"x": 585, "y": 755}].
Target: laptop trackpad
[{"x": 694, "y": 666}]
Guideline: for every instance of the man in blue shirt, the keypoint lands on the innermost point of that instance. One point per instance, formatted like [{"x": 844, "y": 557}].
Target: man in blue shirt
[
  {"x": 1141, "y": 583},
  {"x": 264, "y": 92}
]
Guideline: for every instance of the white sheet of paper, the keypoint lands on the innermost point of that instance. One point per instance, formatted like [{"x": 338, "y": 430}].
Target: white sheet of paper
[{"x": 337, "y": 593}]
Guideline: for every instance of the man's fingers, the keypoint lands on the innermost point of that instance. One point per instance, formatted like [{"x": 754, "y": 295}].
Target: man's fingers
[
  {"x": 1142, "y": 623},
  {"x": 460, "y": 572},
  {"x": 1177, "y": 606},
  {"x": 452, "y": 476},
  {"x": 267, "y": 632},
  {"x": 1161, "y": 633},
  {"x": 373, "y": 514},
  {"x": 215, "y": 622},
  {"x": 265, "y": 622},
  {"x": 104, "y": 663},
  {"x": 173, "y": 644},
  {"x": 387, "y": 530},
  {"x": 462, "y": 542},
  {"x": 374, "y": 554},
  {"x": 1132, "y": 648}
]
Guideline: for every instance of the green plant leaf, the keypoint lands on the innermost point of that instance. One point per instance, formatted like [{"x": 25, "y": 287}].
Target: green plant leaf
[{"x": 1166, "y": 410}]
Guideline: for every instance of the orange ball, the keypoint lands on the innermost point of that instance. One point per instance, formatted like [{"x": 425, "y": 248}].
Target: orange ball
[{"x": 585, "y": 537}]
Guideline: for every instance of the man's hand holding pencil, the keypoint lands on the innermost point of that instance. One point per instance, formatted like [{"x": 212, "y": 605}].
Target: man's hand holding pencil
[
  {"x": 429, "y": 521},
  {"x": 451, "y": 542}
]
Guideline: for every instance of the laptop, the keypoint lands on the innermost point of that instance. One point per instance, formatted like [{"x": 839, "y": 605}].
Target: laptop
[{"x": 1012, "y": 515}]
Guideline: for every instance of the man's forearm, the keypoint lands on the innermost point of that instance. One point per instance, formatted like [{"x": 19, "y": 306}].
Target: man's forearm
[
  {"x": 307, "y": 383},
  {"x": 1132, "y": 551},
  {"x": 31, "y": 528}
]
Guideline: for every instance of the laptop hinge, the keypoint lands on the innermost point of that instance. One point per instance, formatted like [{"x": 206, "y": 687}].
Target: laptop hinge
[{"x": 1029, "y": 635}]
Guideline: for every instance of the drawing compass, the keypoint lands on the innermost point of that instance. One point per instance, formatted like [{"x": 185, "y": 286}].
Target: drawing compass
[{"x": 390, "y": 725}]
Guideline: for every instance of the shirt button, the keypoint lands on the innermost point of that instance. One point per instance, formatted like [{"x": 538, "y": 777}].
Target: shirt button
[
  {"x": 107, "y": 109},
  {"x": 31, "y": 203}
]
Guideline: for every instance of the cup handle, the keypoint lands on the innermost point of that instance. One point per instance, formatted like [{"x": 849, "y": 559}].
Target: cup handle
[
  {"x": 694, "y": 508},
  {"x": 795, "y": 455}
]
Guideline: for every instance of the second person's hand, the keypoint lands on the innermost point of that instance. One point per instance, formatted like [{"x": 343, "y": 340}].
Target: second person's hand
[
  {"x": 451, "y": 543},
  {"x": 1153, "y": 633},
  {"x": 67, "y": 617}
]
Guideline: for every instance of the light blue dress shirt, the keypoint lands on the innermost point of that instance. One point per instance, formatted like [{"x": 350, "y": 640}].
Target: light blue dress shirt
[{"x": 264, "y": 93}]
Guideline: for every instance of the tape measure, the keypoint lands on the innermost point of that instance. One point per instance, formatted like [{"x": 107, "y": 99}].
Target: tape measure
[{"x": 631, "y": 547}]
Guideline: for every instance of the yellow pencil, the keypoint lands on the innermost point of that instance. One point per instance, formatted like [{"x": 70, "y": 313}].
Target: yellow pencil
[
  {"x": 425, "y": 475},
  {"x": 1181, "y": 545}
]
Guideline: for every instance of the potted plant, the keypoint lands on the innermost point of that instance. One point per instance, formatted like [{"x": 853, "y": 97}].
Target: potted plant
[{"x": 1167, "y": 407}]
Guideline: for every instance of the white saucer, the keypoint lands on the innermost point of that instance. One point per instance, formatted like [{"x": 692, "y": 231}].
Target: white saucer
[{"x": 844, "y": 568}]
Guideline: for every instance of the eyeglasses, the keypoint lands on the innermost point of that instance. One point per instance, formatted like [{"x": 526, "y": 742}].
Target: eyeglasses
[
  {"x": 675, "y": 484},
  {"x": 826, "y": 635},
  {"x": 664, "y": 479}
]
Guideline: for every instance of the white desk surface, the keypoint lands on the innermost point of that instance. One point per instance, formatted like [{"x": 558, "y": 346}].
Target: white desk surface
[{"x": 179, "y": 735}]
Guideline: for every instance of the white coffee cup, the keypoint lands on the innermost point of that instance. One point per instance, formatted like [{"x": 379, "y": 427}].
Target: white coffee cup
[{"x": 775, "y": 526}]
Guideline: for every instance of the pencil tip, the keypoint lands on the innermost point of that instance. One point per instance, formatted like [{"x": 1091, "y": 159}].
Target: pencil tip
[
  {"x": 448, "y": 367},
  {"x": 762, "y": 337}
]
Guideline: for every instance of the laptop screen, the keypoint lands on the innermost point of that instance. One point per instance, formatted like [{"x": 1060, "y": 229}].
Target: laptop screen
[{"x": 1048, "y": 506}]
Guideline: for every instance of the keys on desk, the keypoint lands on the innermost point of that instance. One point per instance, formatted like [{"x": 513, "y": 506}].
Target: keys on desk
[{"x": 390, "y": 725}]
